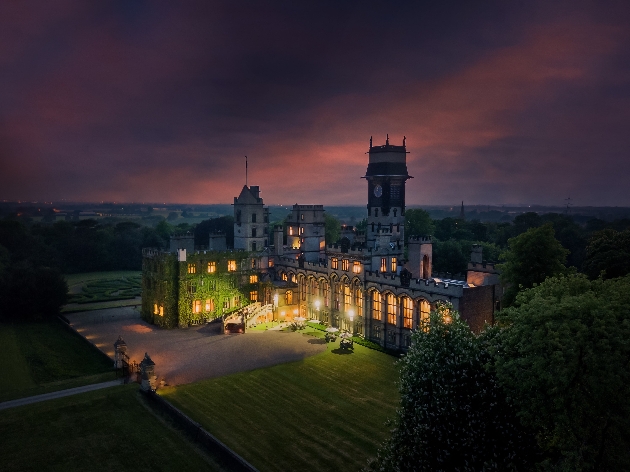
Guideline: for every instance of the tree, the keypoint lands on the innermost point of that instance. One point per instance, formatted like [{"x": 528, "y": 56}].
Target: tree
[
  {"x": 563, "y": 360},
  {"x": 418, "y": 223},
  {"x": 608, "y": 251},
  {"x": 531, "y": 258},
  {"x": 222, "y": 224},
  {"x": 452, "y": 415},
  {"x": 332, "y": 229}
]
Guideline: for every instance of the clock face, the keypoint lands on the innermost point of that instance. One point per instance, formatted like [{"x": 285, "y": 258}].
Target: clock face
[{"x": 378, "y": 191}]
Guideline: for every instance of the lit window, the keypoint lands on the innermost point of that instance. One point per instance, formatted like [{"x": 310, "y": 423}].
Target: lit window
[
  {"x": 270, "y": 262},
  {"x": 393, "y": 264},
  {"x": 356, "y": 267},
  {"x": 253, "y": 263},
  {"x": 407, "y": 313},
  {"x": 253, "y": 295},
  {"x": 358, "y": 298},
  {"x": 237, "y": 300},
  {"x": 302, "y": 216},
  {"x": 376, "y": 305},
  {"x": 391, "y": 308},
  {"x": 383, "y": 264},
  {"x": 290, "y": 230},
  {"x": 347, "y": 297},
  {"x": 231, "y": 266},
  {"x": 253, "y": 279},
  {"x": 161, "y": 310},
  {"x": 192, "y": 268},
  {"x": 197, "y": 306},
  {"x": 226, "y": 304},
  {"x": 209, "y": 305},
  {"x": 212, "y": 267},
  {"x": 334, "y": 263},
  {"x": 425, "y": 309},
  {"x": 285, "y": 277},
  {"x": 345, "y": 264},
  {"x": 302, "y": 230},
  {"x": 288, "y": 297},
  {"x": 293, "y": 279},
  {"x": 155, "y": 309}
]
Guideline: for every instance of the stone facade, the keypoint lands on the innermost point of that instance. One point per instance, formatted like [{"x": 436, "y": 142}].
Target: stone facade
[{"x": 369, "y": 289}]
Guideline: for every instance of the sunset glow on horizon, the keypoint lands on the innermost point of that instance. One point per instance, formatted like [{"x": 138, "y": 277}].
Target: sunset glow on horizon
[{"x": 160, "y": 102}]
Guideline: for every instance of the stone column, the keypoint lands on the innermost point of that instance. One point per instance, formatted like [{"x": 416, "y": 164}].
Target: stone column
[
  {"x": 120, "y": 350},
  {"x": 147, "y": 373}
]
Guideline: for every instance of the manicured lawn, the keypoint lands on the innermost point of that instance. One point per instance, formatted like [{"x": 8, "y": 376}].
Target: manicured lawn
[
  {"x": 80, "y": 279},
  {"x": 108, "y": 287},
  {"x": 107, "y": 430},
  {"x": 327, "y": 412},
  {"x": 43, "y": 357}
]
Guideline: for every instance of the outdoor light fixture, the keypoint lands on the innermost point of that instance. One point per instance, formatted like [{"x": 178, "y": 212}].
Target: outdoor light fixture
[
  {"x": 295, "y": 312},
  {"x": 351, "y": 314},
  {"x": 275, "y": 301},
  {"x": 317, "y": 304}
]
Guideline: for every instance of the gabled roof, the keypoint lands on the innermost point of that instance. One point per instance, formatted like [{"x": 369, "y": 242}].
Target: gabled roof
[{"x": 247, "y": 197}]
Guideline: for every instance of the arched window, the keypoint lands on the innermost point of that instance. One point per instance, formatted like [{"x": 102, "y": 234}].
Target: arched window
[
  {"x": 391, "y": 308},
  {"x": 376, "y": 305},
  {"x": 425, "y": 309},
  {"x": 288, "y": 297},
  {"x": 407, "y": 313}
]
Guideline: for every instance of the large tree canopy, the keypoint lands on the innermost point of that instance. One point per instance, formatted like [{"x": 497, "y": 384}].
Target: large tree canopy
[
  {"x": 532, "y": 257},
  {"x": 608, "y": 251},
  {"x": 453, "y": 415},
  {"x": 564, "y": 359}
]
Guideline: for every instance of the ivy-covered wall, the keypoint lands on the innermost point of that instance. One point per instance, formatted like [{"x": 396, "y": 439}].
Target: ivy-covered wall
[
  {"x": 159, "y": 288},
  {"x": 206, "y": 286}
]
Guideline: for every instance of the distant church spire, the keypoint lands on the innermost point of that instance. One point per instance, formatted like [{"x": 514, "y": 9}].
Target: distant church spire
[{"x": 462, "y": 215}]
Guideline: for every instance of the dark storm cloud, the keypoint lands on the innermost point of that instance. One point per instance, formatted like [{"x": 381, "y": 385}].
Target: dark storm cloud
[{"x": 151, "y": 101}]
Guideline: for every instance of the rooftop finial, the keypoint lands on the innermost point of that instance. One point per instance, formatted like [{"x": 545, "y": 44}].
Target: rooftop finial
[
  {"x": 387, "y": 142},
  {"x": 370, "y": 141},
  {"x": 404, "y": 140}
]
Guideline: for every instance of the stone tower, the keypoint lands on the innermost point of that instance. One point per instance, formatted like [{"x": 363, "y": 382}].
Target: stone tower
[
  {"x": 251, "y": 220},
  {"x": 386, "y": 176},
  {"x": 306, "y": 231}
]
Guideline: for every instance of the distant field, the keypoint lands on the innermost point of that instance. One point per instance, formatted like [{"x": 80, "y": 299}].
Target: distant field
[
  {"x": 44, "y": 357},
  {"x": 106, "y": 430},
  {"x": 327, "y": 412}
]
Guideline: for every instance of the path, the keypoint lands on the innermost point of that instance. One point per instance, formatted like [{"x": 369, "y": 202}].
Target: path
[
  {"x": 58, "y": 394},
  {"x": 196, "y": 353}
]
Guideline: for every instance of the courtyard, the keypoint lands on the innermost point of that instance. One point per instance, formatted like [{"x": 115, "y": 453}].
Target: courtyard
[{"x": 188, "y": 355}]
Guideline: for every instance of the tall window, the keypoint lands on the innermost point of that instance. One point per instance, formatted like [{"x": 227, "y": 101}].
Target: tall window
[
  {"x": 383, "y": 264},
  {"x": 212, "y": 267},
  {"x": 192, "y": 268},
  {"x": 253, "y": 245},
  {"x": 407, "y": 312},
  {"x": 345, "y": 264},
  {"x": 288, "y": 297},
  {"x": 155, "y": 309},
  {"x": 231, "y": 266},
  {"x": 347, "y": 297},
  {"x": 391, "y": 308},
  {"x": 253, "y": 279},
  {"x": 253, "y": 217},
  {"x": 161, "y": 313},
  {"x": 253, "y": 232},
  {"x": 334, "y": 263},
  {"x": 337, "y": 296},
  {"x": 290, "y": 230},
  {"x": 376, "y": 305},
  {"x": 301, "y": 229},
  {"x": 209, "y": 304},
  {"x": 356, "y": 267},
  {"x": 358, "y": 299},
  {"x": 325, "y": 293},
  {"x": 425, "y": 309},
  {"x": 253, "y": 295},
  {"x": 196, "y": 306},
  {"x": 253, "y": 263},
  {"x": 270, "y": 263},
  {"x": 285, "y": 277},
  {"x": 393, "y": 264},
  {"x": 376, "y": 332}
]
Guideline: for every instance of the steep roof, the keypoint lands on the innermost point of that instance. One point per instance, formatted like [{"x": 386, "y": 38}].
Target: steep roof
[{"x": 247, "y": 197}]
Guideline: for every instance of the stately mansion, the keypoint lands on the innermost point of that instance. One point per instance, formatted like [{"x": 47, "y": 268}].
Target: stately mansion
[{"x": 371, "y": 283}]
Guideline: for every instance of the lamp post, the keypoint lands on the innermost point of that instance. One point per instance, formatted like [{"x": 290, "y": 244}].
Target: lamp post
[
  {"x": 275, "y": 306},
  {"x": 317, "y": 303},
  {"x": 351, "y": 316}
]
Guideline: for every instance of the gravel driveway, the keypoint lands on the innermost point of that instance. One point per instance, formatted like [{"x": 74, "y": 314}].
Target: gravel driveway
[{"x": 191, "y": 354}]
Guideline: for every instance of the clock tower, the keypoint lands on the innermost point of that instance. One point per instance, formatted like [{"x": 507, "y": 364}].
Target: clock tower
[{"x": 386, "y": 176}]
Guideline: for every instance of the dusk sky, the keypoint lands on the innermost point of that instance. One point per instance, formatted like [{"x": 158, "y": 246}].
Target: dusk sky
[{"x": 147, "y": 101}]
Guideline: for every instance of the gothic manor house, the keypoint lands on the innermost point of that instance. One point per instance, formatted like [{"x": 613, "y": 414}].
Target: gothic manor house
[{"x": 371, "y": 284}]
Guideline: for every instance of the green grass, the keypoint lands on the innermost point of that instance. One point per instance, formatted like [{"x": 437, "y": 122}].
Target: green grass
[
  {"x": 123, "y": 287},
  {"x": 100, "y": 305},
  {"x": 44, "y": 357},
  {"x": 80, "y": 279},
  {"x": 106, "y": 430},
  {"x": 327, "y": 412}
]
